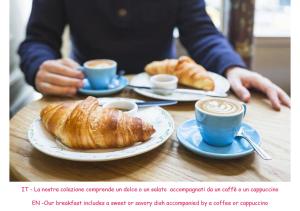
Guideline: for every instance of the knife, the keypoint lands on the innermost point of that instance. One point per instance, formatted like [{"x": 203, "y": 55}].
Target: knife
[
  {"x": 183, "y": 91},
  {"x": 142, "y": 104},
  {"x": 156, "y": 103}
]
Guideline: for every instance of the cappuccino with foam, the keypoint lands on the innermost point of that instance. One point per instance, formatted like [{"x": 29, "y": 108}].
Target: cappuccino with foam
[
  {"x": 219, "y": 120},
  {"x": 222, "y": 107},
  {"x": 99, "y": 64},
  {"x": 99, "y": 72}
]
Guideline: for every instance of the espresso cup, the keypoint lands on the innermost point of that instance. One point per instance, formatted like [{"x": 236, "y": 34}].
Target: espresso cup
[
  {"x": 128, "y": 107},
  {"x": 163, "y": 84},
  {"x": 99, "y": 72},
  {"x": 219, "y": 119}
]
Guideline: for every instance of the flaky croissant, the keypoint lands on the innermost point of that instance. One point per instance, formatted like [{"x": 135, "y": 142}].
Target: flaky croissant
[
  {"x": 86, "y": 125},
  {"x": 188, "y": 72}
]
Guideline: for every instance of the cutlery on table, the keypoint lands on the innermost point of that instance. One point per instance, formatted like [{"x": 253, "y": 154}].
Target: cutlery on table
[
  {"x": 156, "y": 103},
  {"x": 263, "y": 154},
  {"x": 184, "y": 91},
  {"x": 152, "y": 103}
]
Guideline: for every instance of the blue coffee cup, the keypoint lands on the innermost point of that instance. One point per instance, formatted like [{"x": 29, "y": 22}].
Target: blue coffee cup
[
  {"x": 99, "y": 72},
  {"x": 219, "y": 128}
]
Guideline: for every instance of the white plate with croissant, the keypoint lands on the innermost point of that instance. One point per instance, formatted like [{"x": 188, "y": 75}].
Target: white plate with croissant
[
  {"x": 84, "y": 131},
  {"x": 189, "y": 74}
]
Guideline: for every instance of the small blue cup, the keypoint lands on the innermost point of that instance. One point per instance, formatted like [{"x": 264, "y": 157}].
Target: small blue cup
[
  {"x": 219, "y": 130},
  {"x": 99, "y": 72}
]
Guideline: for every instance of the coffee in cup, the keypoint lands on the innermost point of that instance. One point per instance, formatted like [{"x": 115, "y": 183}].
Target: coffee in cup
[
  {"x": 99, "y": 72},
  {"x": 219, "y": 119},
  {"x": 100, "y": 63},
  {"x": 220, "y": 107}
]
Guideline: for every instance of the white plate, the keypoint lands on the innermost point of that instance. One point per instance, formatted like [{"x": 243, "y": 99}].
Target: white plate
[
  {"x": 143, "y": 79},
  {"x": 158, "y": 117}
]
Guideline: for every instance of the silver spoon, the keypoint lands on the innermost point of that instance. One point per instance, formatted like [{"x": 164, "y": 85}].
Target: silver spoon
[{"x": 263, "y": 154}]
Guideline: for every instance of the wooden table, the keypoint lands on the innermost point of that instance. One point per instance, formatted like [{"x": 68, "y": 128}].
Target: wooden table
[{"x": 169, "y": 162}]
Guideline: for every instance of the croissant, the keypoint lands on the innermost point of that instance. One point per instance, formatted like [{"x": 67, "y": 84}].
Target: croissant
[
  {"x": 188, "y": 72},
  {"x": 86, "y": 125}
]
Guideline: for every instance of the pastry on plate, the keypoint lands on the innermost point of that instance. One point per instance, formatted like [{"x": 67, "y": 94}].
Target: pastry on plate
[
  {"x": 188, "y": 72},
  {"x": 86, "y": 125}
]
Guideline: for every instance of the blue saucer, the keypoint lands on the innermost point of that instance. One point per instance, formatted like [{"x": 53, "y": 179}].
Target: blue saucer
[
  {"x": 190, "y": 137},
  {"x": 87, "y": 89}
]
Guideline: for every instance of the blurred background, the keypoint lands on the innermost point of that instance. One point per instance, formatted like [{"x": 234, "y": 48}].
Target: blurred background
[{"x": 259, "y": 30}]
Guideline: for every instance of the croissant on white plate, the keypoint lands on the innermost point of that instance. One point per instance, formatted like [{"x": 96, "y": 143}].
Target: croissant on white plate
[
  {"x": 86, "y": 125},
  {"x": 188, "y": 72}
]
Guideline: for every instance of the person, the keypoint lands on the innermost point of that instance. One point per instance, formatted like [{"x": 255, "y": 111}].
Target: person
[{"x": 134, "y": 33}]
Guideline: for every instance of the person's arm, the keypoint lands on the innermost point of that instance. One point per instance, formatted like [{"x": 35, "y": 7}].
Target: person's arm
[
  {"x": 43, "y": 36},
  {"x": 204, "y": 42},
  {"x": 40, "y": 51},
  {"x": 241, "y": 80}
]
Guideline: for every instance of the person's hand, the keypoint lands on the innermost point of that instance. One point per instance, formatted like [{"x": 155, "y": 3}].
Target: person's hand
[
  {"x": 59, "y": 77},
  {"x": 241, "y": 80}
]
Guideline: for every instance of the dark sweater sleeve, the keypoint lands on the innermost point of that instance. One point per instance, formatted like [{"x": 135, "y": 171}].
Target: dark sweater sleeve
[
  {"x": 43, "y": 36},
  {"x": 203, "y": 41}
]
